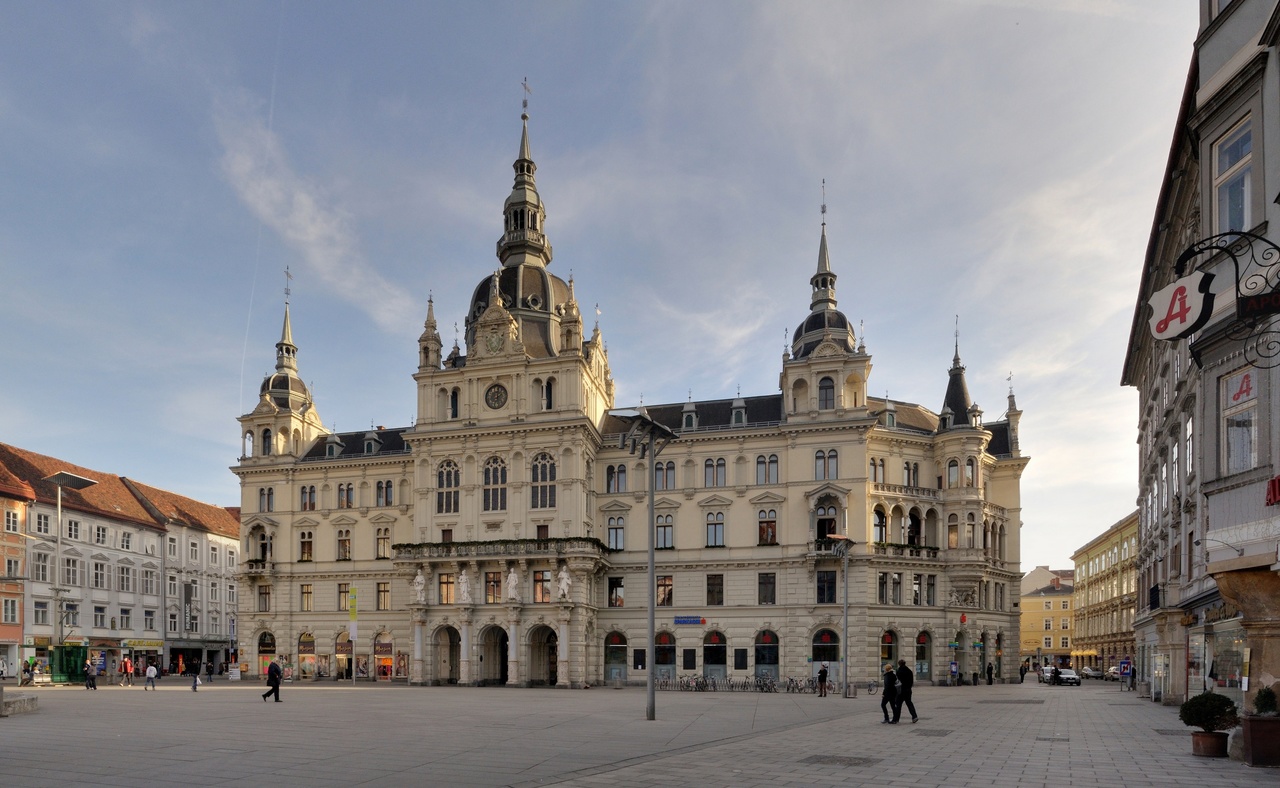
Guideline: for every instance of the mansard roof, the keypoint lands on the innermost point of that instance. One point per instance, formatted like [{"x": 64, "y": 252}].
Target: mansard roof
[{"x": 351, "y": 444}]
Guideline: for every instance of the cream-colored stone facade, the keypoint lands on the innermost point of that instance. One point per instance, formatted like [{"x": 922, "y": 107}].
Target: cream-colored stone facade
[
  {"x": 1106, "y": 596},
  {"x": 1047, "y": 629},
  {"x": 502, "y": 538}
]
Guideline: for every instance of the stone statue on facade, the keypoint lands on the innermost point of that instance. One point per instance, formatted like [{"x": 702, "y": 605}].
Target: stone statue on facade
[
  {"x": 464, "y": 588},
  {"x": 564, "y": 581},
  {"x": 420, "y": 587},
  {"x": 513, "y": 586}
]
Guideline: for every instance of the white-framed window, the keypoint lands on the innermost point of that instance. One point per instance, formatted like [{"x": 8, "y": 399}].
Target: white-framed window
[
  {"x": 617, "y": 533},
  {"x": 664, "y": 537},
  {"x": 10, "y": 614},
  {"x": 12, "y": 567},
  {"x": 126, "y": 540},
  {"x": 213, "y": 555},
  {"x": 40, "y": 567},
  {"x": 715, "y": 529},
  {"x": 99, "y": 574},
  {"x": 148, "y": 581},
  {"x": 173, "y": 586},
  {"x": 1232, "y": 178},
  {"x": 126, "y": 618},
  {"x": 231, "y": 593},
  {"x": 71, "y": 571},
  {"x": 11, "y": 521},
  {"x": 42, "y": 523},
  {"x": 1066, "y": 642},
  {"x": 173, "y": 623},
  {"x": 213, "y": 590},
  {"x": 231, "y": 558},
  {"x": 1239, "y": 421},
  {"x": 124, "y": 575},
  {"x": 149, "y": 620},
  {"x": 99, "y": 616},
  {"x": 1048, "y": 642},
  {"x": 99, "y": 534},
  {"x": 193, "y": 552},
  {"x": 41, "y": 613},
  {"x": 173, "y": 547},
  {"x": 72, "y": 614},
  {"x": 73, "y": 529}
]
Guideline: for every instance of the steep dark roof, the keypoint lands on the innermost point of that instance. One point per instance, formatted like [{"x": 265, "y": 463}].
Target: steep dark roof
[
  {"x": 957, "y": 397},
  {"x": 353, "y": 444}
]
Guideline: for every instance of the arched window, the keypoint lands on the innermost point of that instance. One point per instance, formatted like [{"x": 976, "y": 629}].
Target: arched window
[
  {"x": 453, "y": 404},
  {"x": 880, "y": 532},
  {"x": 664, "y": 536},
  {"x": 306, "y": 546},
  {"x": 953, "y": 531},
  {"x": 266, "y": 643},
  {"x": 969, "y": 472},
  {"x": 714, "y": 472},
  {"x": 381, "y": 495},
  {"x": 767, "y": 521},
  {"x": 953, "y": 474},
  {"x": 826, "y": 465},
  {"x": 664, "y": 476},
  {"x": 617, "y": 533},
  {"x": 615, "y": 479},
  {"x": 390, "y": 500},
  {"x": 344, "y": 544},
  {"x": 495, "y": 485},
  {"x": 873, "y": 471},
  {"x": 889, "y": 647},
  {"x": 826, "y": 394},
  {"x": 262, "y": 499},
  {"x": 248, "y": 445},
  {"x": 762, "y": 470},
  {"x": 548, "y": 397},
  {"x": 543, "y": 491},
  {"x": 302, "y": 499},
  {"x": 826, "y": 647},
  {"x": 266, "y": 442},
  {"x": 825, "y": 521},
  {"x": 271, "y": 500},
  {"x": 448, "y": 480},
  {"x": 923, "y": 656},
  {"x": 968, "y": 531},
  {"x": 715, "y": 529}
]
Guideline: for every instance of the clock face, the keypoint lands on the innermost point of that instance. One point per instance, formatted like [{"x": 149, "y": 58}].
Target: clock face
[{"x": 495, "y": 396}]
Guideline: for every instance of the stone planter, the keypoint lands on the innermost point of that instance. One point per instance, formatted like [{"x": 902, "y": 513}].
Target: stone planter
[
  {"x": 1209, "y": 745},
  {"x": 1261, "y": 740}
]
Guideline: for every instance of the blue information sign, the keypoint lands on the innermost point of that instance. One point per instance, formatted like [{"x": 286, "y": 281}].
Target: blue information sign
[{"x": 693, "y": 620}]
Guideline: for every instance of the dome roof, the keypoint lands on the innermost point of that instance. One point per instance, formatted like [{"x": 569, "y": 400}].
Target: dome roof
[
  {"x": 281, "y": 387},
  {"x": 810, "y": 333},
  {"x": 524, "y": 289}
]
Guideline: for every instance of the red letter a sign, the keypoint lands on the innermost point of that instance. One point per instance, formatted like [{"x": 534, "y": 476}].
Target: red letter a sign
[{"x": 1183, "y": 307}]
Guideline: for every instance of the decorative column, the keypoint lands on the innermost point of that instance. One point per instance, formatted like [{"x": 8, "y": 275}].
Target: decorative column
[
  {"x": 563, "y": 663},
  {"x": 464, "y": 648},
  {"x": 416, "y": 673},
  {"x": 514, "y": 679}
]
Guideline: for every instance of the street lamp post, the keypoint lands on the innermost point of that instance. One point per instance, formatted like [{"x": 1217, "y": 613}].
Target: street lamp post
[
  {"x": 650, "y": 438},
  {"x": 72, "y": 481},
  {"x": 842, "y": 547}
]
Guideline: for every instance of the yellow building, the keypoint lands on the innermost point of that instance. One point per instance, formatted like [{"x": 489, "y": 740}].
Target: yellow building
[
  {"x": 1105, "y": 594},
  {"x": 1047, "y": 610}
]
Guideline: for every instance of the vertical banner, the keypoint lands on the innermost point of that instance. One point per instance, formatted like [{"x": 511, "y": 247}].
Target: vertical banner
[{"x": 188, "y": 591}]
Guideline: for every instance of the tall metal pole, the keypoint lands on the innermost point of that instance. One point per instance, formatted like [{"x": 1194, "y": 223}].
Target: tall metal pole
[
  {"x": 650, "y": 711},
  {"x": 844, "y": 636},
  {"x": 59, "y": 602}
]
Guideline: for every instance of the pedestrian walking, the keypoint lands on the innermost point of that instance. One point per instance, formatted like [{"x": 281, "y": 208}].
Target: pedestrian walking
[
  {"x": 208, "y": 672},
  {"x": 151, "y": 678},
  {"x": 273, "y": 681},
  {"x": 991, "y": 669},
  {"x": 822, "y": 681},
  {"x": 195, "y": 677},
  {"x": 889, "y": 697},
  {"x": 90, "y": 675},
  {"x": 1022, "y": 672},
  {"x": 906, "y": 679},
  {"x": 126, "y": 675}
]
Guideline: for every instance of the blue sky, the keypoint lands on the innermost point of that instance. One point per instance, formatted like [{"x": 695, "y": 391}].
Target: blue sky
[{"x": 164, "y": 162}]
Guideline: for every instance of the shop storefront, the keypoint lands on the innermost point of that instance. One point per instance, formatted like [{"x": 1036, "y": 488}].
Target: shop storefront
[
  {"x": 306, "y": 656},
  {"x": 382, "y": 657},
  {"x": 142, "y": 653},
  {"x": 342, "y": 657}
]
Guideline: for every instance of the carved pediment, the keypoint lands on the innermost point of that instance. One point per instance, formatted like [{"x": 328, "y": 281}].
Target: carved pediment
[
  {"x": 382, "y": 518},
  {"x": 306, "y": 522},
  {"x": 666, "y": 503},
  {"x": 615, "y": 506},
  {"x": 768, "y": 499},
  {"x": 715, "y": 501},
  {"x": 344, "y": 519}
]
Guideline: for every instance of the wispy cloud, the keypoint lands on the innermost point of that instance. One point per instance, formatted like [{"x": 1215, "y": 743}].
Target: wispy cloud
[{"x": 305, "y": 217}]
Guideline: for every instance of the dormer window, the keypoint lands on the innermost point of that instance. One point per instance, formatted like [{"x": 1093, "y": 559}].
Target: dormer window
[
  {"x": 368, "y": 447},
  {"x": 330, "y": 450}
]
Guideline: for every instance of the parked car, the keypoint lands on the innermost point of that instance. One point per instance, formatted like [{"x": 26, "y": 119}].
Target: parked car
[
  {"x": 1068, "y": 676},
  {"x": 1090, "y": 673},
  {"x": 1045, "y": 674},
  {"x": 1113, "y": 673}
]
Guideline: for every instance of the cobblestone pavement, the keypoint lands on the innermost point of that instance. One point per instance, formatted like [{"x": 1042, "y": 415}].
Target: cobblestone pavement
[{"x": 331, "y": 734}]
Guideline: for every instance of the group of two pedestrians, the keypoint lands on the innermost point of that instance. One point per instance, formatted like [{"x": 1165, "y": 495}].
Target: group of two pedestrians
[{"x": 897, "y": 692}]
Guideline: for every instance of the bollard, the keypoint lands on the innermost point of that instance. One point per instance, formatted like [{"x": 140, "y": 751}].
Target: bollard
[{"x": 2, "y": 714}]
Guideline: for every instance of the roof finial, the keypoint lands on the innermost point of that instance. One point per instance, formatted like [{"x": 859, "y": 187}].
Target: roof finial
[
  {"x": 824, "y": 202},
  {"x": 956, "y": 360},
  {"x": 1010, "y": 381},
  {"x": 288, "y": 277},
  {"x": 524, "y": 103}
]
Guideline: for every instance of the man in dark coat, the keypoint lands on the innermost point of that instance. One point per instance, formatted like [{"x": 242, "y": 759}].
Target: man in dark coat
[
  {"x": 905, "y": 679},
  {"x": 822, "y": 681},
  {"x": 273, "y": 681},
  {"x": 889, "y": 698}
]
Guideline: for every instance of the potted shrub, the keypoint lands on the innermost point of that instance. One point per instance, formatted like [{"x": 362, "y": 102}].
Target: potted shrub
[
  {"x": 1262, "y": 730},
  {"x": 1213, "y": 714}
]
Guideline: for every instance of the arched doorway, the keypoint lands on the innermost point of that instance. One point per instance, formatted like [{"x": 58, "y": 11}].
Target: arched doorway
[
  {"x": 544, "y": 657},
  {"x": 715, "y": 655},
  {"x": 924, "y": 657},
  {"x": 664, "y": 656},
  {"x": 493, "y": 656},
  {"x": 826, "y": 648},
  {"x": 889, "y": 648},
  {"x": 615, "y": 657},
  {"x": 962, "y": 656},
  {"x": 448, "y": 655},
  {"x": 767, "y": 654},
  {"x": 306, "y": 656},
  {"x": 382, "y": 657},
  {"x": 266, "y": 651},
  {"x": 343, "y": 654}
]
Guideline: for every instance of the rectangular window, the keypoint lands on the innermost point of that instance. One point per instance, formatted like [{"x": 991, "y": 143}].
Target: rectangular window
[
  {"x": 344, "y": 545},
  {"x": 882, "y": 588},
  {"x": 1048, "y": 623},
  {"x": 10, "y": 615},
  {"x": 213, "y": 555},
  {"x": 99, "y": 534},
  {"x": 231, "y": 558},
  {"x": 1066, "y": 604},
  {"x": 264, "y": 599},
  {"x": 213, "y": 591},
  {"x": 173, "y": 547},
  {"x": 826, "y": 586},
  {"x": 231, "y": 594},
  {"x": 1048, "y": 642},
  {"x": 896, "y": 596},
  {"x": 1066, "y": 623},
  {"x": 11, "y": 521},
  {"x": 42, "y": 523},
  {"x": 99, "y": 574},
  {"x": 382, "y": 546},
  {"x": 173, "y": 587},
  {"x": 617, "y": 533},
  {"x": 615, "y": 592},
  {"x": 715, "y": 529},
  {"x": 916, "y": 588},
  {"x": 41, "y": 613},
  {"x": 148, "y": 581},
  {"x": 1066, "y": 642},
  {"x": 446, "y": 535},
  {"x": 767, "y": 588},
  {"x": 1232, "y": 178},
  {"x": 344, "y": 596},
  {"x": 149, "y": 620},
  {"x": 126, "y": 618},
  {"x": 1048, "y": 605},
  {"x": 173, "y": 623},
  {"x": 304, "y": 597},
  {"x": 12, "y": 567},
  {"x": 664, "y": 537},
  {"x": 492, "y": 588},
  {"x": 541, "y": 585},
  {"x": 446, "y": 588},
  {"x": 73, "y": 529},
  {"x": 70, "y": 572},
  {"x": 126, "y": 541},
  {"x": 40, "y": 567},
  {"x": 124, "y": 576},
  {"x": 767, "y": 527},
  {"x": 384, "y": 596},
  {"x": 666, "y": 591},
  {"x": 99, "y": 617},
  {"x": 306, "y": 546},
  {"x": 1239, "y": 401},
  {"x": 715, "y": 590},
  {"x": 72, "y": 614}
]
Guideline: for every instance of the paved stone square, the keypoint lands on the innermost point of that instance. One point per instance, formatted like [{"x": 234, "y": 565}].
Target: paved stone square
[{"x": 331, "y": 734}]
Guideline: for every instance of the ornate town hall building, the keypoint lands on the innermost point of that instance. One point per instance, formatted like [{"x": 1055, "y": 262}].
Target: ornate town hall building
[{"x": 501, "y": 538}]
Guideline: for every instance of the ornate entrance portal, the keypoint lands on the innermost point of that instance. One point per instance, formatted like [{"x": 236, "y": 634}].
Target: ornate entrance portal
[
  {"x": 543, "y": 657},
  {"x": 493, "y": 656}
]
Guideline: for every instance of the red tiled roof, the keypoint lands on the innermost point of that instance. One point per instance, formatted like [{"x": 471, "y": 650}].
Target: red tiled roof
[
  {"x": 108, "y": 498},
  {"x": 13, "y": 487},
  {"x": 185, "y": 511}
]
